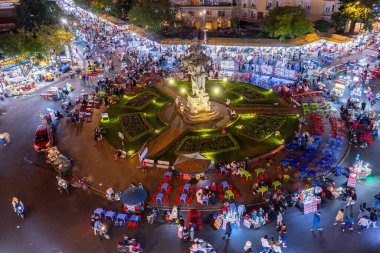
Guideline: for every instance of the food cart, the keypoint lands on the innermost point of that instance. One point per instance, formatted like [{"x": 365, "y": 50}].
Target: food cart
[
  {"x": 229, "y": 214},
  {"x": 61, "y": 164},
  {"x": 361, "y": 169},
  {"x": 307, "y": 201}
]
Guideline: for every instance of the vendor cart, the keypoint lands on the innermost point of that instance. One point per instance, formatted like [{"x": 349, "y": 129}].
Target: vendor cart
[{"x": 61, "y": 164}]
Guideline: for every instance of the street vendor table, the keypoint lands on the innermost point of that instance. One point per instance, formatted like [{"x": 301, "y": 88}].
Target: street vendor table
[
  {"x": 276, "y": 184},
  {"x": 225, "y": 185},
  {"x": 183, "y": 198},
  {"x": 286, "y": 177},
  {"x": 159, "y": 197},
  {"x": 246, "y": 174},
  {"x": 259, "y": 171},
  {"x": 230, "y": 194},
  {"x": 164, "y": 187},
  {"x": 263, "y": 189},
  {"x": 186, "y": 188}
]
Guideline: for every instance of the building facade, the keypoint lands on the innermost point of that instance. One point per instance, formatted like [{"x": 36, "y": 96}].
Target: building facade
[
  {"x": 8, "y": 14},
  {"x": 214, "y": 14}
]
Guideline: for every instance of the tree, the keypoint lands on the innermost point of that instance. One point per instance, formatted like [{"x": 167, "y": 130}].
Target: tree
[
  {"x": 287, "y": 22},
  {"x": 122, "y": 7},
  {"x": 54, "y": 38},
  {"x": 322, "y": 25},
  {"x": 101, "y": 5},
  {"x": 357, "y": 12},
  {"x": 33, "y": 13},
  {"x": 154, "y": 15},
  {"x": 339, "y": 20}
]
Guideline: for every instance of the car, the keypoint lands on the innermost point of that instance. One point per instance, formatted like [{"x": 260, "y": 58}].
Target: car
[
  {"x": 43, "y": 138},
  {"x": 49, "y": 77}
]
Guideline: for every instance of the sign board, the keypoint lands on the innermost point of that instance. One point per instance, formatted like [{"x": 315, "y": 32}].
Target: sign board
[
  {"x": 351, "y": 182},
  {"x": 310, "y": 207},
  {"x": 143, "y": 153},
  {"x": 9, "y": 61}
]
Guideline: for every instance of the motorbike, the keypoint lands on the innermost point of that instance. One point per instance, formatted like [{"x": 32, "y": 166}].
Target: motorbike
[
  {"x": 130, "y": 246},
  {"x": 81, "y": 183},
  {"x": 153, "y": 215},
  {"x": 20, "y": 210},
  {"x": 101, "y": 230},
  {"x": 63, "y": 186}
]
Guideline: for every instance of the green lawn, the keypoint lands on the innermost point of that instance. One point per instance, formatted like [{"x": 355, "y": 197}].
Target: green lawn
[
  {"x": 247, "y": 147},
  {"x": 221, "y": 91},
  {"x": 150, "y": 113}
]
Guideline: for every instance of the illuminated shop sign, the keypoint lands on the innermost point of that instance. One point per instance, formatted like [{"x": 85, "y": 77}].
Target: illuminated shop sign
[
  {"x": 9, "y": 61},
  {"x": 9, "y": 4}
]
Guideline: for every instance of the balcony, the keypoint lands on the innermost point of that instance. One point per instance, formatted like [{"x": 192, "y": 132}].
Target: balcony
[{"x": 206, "y": 3}]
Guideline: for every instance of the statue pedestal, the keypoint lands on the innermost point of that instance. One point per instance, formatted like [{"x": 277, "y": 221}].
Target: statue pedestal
[
  {"x": 198, "y": 103},
  {"x": 199, "y": 109}
]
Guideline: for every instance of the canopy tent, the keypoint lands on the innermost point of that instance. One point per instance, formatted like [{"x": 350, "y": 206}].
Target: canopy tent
[
  {"x": 134, "y": 196},
  {"x": 192, "y": 163}
]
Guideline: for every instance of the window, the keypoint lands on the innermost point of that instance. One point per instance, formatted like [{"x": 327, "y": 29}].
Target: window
[
  {"x": 253, "y": 14},
  {"x": 221, "y": 14},
  {"x": 260, "y": 15},
  {"x": 245, "y": 14}
]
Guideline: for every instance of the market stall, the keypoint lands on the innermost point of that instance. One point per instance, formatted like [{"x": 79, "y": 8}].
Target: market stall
[
  {"x": 229, "y": 214},
  {"x": 361, "y": 170},
  {"x": 61, "y": 164},
  {"x": 307, "y": 201}
]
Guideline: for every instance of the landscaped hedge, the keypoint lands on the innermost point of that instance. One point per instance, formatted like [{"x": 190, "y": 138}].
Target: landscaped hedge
[
  {"x": 261, "y": 127},
  {"x": 134, "y": 125},
  {"x": 207, "y": 144},
  {"x": 141, "y": 100},
  {"x": 247, "y": 93}
]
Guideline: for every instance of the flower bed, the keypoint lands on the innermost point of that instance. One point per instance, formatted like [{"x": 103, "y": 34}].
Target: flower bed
[
  {"x": 247, "y": 93},
  {"x": 208, "y": 144},
  {"x": 262, "y": 127},
  {"x": 134, "y": 125},
  {"x": 141, "y": 100}
]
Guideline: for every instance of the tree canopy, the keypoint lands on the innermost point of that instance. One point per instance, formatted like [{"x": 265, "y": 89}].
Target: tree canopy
[
  {"x": 358, "y": 12},
  {"x": 154, "y": 15},
  {"x": 33, "y": 13},
  {"x": 287, "y": 22}
]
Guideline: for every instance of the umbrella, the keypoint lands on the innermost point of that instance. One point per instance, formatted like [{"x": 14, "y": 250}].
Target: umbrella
[
  {"x": 134, "y": 196},
  {"x": 192, "y": 163}
]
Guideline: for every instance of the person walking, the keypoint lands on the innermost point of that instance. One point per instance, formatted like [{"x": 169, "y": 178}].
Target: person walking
[
  {"x": 191, "y": 233},
  {"x": 264, "y": 244},
  {"x": 7, "y": 137},
  {"x": 228, "y": 231},
  {"x": 339, "y": 218},
  {"x": 363, "y": 223},
  {"x": 276, "y": 248},
  {"x": 316, "y": 221},
  {"x": 248, "y": 247},
  {"x": 279, "y": 219},
  {"x": 180, "y": 231},
  {"x": 351, "y": 199},
  {"x": 349, "y": 221},
  {"x": 283, "y": 236},
  {"x": 372, "y": 218}
]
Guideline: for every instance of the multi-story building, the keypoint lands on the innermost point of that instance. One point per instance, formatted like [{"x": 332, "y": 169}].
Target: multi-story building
[
  {"x": 8, "y": 14},
  {"x": 214, "y": 14}
]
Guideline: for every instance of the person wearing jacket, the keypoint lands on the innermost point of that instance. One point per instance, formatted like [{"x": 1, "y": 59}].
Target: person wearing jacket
[
  {"x": 228, "y": 231},
  {"x": 316, "y": 221},
  {"x": 349, "y": 221},
  {"x": 363, "y": 223},
  {"x": 339, "y": 218},
  {"x": 372, "y": 218}
]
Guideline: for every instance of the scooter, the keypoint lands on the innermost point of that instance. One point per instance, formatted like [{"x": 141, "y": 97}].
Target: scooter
[
  {"x": 153, "y": 215},
  {"x": 81, "y": 183},
  {"x": 130, "y": 246},
  {"x": 63, "y": 186},
  {"x": 20, "y": 210}
]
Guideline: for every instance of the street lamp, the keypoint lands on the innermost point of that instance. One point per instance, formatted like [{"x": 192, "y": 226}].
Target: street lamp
[
  {"x": 203, "y": 26},
  {"x": 64, "y": 21}
]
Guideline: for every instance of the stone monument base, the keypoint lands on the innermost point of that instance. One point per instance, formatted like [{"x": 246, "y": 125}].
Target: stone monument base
[{"x": 195, "y": 118}]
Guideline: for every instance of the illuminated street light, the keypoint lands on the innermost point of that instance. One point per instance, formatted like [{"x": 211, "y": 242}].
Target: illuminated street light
[
  {"x": 183, "y": 90},
  {"x": 171, "y": 81},
  {"x": 216, "y": 90},
  {"x": 225, "y": 79},
  {"x": 64, "y": 21}
]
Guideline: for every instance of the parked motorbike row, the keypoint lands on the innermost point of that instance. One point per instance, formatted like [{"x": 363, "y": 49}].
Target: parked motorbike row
[{"x": 65, "y": 187}]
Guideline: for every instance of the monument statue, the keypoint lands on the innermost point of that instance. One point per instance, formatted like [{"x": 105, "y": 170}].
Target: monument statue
[{"x": 198, "y": 63}]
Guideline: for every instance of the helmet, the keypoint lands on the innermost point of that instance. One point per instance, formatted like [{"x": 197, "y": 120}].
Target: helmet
[{"x": 14, "y": 199}]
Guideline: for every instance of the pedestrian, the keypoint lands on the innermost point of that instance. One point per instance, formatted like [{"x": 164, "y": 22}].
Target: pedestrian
[
  {"x": 283, "y": 236},
  {"x": 372, "y": 218},
  {"x": 363, "y": 223},
  {"x": 276, "y": 248},
  {"x": 2, "y": 139},
  {"x": 180, "y": 231},
  {"x": 241, "y": 211},
  {"x": 265, "y": 244},
  {"x": 191, "y": 233},
  {"x": 228, "y": 231},
  {"x": 351, "y": 199},
  {"x": 248, "y": 247},
  {"x": 339, "y": 218},
  {"x": 316, "y": 221},
  {"x": 362, "y": 210},
  {"x": 7, "y": 137},
  {"x": 349, "y": 221},
  {"x": 363, "y": 105},
  {"x": 279, "y": 219}
]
